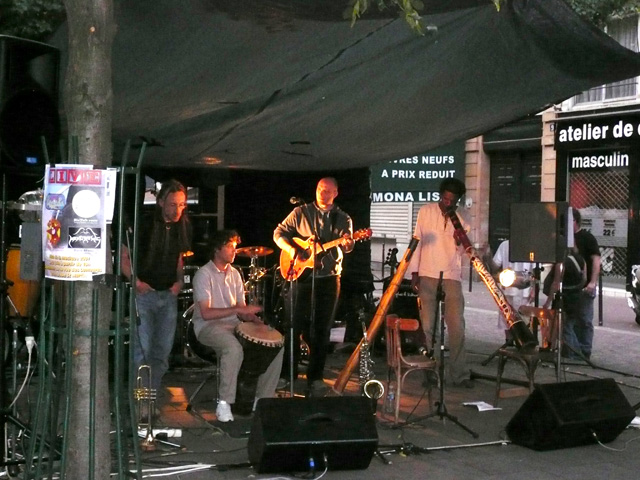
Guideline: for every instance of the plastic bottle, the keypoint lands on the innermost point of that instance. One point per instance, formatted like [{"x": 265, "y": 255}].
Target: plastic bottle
[{"x": 390, "y": 399}]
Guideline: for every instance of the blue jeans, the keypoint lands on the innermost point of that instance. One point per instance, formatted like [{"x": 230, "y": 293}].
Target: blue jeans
[
  {"x": 577, "y": 329},
  {"x": 153, "y": 342},
  {"x": 584, "y": 327}
]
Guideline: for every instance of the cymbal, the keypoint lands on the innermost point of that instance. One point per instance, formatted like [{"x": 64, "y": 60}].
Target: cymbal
[
  {"x": 254, "y": 251},
  {"x": 24, "y": 206}
]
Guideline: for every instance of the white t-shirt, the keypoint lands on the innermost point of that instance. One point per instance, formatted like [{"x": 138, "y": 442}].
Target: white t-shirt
[
  {"x": 221, "y": 289},
  {"x": 437, "y": 250},
  {"x": 501, "y": 258}
]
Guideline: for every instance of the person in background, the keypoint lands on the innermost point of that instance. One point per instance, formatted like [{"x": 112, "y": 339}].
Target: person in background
[
  {"x": 518, "y": 294},
  {"x": 588, "y": 248}
]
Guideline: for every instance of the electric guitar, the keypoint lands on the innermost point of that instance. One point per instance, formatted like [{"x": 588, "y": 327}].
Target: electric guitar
[{"x": 292, "y": 268}]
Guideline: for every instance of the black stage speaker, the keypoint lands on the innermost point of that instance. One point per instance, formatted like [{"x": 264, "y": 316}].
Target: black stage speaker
[
  {"x": 288, "y": 434},
  {"x": 561, "y": 415},
  {"x": 538, "y": 232},
  {"x": 28, "y": 103}
]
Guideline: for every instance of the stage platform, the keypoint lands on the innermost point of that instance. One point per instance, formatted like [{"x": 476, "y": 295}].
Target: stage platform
[{"x": 435, "y": 448}]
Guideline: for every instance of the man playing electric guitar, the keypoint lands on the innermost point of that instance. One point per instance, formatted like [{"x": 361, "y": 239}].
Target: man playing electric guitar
[{"x": 323, "y": 221}]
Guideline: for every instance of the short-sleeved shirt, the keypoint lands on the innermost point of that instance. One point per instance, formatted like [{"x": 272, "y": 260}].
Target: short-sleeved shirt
[
  {"x": 587, "y": 245},
  {"x": 221, "y": 289},
  {"x": 501, "y": 258},
  {"x": 437, "y": 250}
]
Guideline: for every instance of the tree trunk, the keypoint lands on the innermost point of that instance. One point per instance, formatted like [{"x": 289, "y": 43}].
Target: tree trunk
[{"x": 88, "y": 100}]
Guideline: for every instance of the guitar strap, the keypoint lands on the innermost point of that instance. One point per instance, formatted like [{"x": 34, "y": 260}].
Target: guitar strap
[{"x": 332, "y": 219}]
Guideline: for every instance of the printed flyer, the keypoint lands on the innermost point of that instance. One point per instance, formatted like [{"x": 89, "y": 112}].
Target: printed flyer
[{"x": 74, "y": 233}]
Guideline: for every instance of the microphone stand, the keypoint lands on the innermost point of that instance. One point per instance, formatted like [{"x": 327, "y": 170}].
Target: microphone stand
[
  {"x": 293, "y": 300},
  {"x": 442, "y": 408},
  {"x": 314, "y": 252},
  {"x": 292, "y": 291}
]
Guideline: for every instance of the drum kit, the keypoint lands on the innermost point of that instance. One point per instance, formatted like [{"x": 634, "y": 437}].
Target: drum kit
[
  {"x": 253, "y": 286},
  {"x": 20, "y": 291}
]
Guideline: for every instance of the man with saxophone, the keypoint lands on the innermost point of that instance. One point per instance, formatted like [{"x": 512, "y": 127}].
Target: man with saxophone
[
  {"x": 323, "y": 221},
  {"x": 439, "y": 253},
  {"x": 220, "y": 306}
]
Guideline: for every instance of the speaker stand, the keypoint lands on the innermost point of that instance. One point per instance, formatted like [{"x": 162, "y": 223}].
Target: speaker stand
[{"x": 442, "y": 408}]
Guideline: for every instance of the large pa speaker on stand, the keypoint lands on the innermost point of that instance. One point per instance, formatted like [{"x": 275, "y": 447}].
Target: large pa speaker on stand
[
  {"x": 569, "y": 414},
  {"x": 289, "y": 433},
  {"x": 539, "y": 232},
  {"x": 29, "y": 73}
]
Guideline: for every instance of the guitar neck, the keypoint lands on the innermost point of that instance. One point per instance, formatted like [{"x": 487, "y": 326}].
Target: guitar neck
[{"x": 331, "y": 244}]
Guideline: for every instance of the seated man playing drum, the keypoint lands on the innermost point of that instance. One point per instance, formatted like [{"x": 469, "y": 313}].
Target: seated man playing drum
[{"x": 220, "y": 310}]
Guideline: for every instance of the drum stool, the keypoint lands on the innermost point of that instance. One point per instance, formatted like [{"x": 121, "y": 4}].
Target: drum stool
[{"x": 207, "y": 354}]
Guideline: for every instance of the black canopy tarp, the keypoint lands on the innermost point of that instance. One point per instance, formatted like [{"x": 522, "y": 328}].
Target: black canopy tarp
[{"x": 288, "y": 85}]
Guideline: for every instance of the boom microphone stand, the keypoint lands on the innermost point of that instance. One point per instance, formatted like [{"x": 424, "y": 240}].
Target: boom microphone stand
[{"x": 442, "y": 408}]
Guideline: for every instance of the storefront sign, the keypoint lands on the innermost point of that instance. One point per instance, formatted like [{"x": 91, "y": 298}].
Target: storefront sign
[
  {"x": 601, "y": 160},
  {"x": 417, "y": 178},
  {"x": 597, "y": 131}
]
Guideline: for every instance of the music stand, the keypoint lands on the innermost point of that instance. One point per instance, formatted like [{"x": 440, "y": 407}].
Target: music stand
[{"x": 442, "y": 408}]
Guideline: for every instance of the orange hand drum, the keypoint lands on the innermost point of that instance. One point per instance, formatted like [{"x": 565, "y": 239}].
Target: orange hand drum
[
  {"x": 23, "y": 293},
  {"x": 260, "y": 344}
]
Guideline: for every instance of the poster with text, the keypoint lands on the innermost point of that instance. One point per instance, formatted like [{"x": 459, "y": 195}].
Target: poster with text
[{"x": 74, "y": 234}]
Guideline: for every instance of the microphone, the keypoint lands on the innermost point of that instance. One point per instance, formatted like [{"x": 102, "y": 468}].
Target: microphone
[{"x": 296, "y": 201}]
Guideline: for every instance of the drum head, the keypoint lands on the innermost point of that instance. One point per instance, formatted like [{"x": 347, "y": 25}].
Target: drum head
[{"x": 260, "y": 334}]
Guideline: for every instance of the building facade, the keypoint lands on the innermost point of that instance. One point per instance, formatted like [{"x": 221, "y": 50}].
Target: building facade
[{"x": 585, "y": 151}]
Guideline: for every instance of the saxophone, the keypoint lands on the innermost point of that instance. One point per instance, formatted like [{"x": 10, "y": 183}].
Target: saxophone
[
  {"x": 370, "y": 387},
  {"x": 522, "y": 336},
  {"x": 378, "y": 318}
]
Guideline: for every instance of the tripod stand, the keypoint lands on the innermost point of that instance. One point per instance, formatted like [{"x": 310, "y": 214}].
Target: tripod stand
[{"x": 442, "y": 408}]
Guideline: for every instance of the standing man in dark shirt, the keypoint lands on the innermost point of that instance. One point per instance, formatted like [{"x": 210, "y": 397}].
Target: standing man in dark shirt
[
  {"x": 326, "y": 220},
  {"x": 588, "y": 247},
  {"x": 164, "y": 236}
]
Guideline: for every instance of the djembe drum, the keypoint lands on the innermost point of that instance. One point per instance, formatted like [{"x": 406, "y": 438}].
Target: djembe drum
[{"x": 260, "y": 344}]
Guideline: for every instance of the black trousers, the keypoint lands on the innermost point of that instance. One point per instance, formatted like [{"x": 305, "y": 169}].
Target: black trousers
[{"x": 327, "y": 291}]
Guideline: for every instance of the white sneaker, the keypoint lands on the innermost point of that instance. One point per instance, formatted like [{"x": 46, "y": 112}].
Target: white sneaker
[{"x": 223, "y": 412}]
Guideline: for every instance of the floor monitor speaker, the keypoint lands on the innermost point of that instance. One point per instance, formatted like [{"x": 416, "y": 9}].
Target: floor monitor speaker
[
  {"x": 538, "y": 232},
  {"x": 561, "y": 415},
  {"x": 289, "y": 434}
]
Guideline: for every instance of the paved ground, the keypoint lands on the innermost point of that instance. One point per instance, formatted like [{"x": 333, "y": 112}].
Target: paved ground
[{"x": 437, "y": 448}]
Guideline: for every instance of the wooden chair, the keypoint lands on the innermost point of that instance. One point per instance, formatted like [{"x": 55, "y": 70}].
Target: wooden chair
[
  {"x": 401, "y": 365},
  {"x": 530, "y": 359}
]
